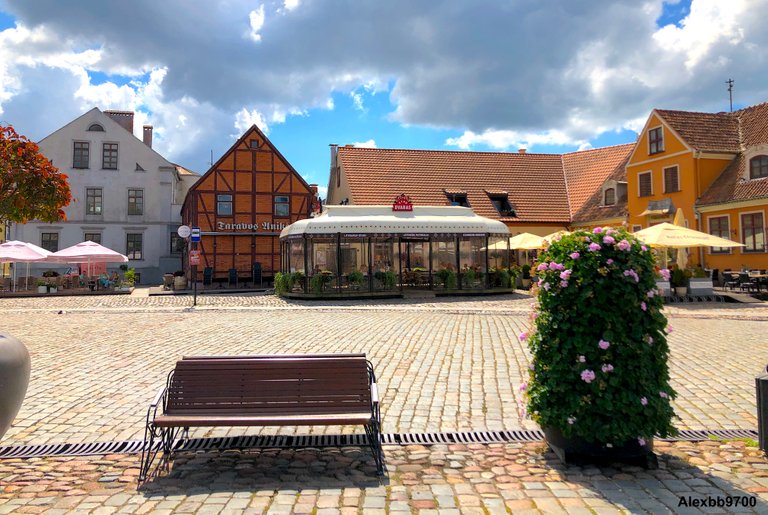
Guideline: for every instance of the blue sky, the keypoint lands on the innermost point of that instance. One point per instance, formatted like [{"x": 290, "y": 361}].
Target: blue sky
[{"x": 437, "y": 76}]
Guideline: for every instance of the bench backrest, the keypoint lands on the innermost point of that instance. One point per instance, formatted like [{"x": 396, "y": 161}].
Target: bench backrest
[{"x": 269, "y": 385}]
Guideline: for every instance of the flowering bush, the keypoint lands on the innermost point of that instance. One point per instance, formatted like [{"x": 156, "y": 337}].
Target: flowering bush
[{"x": 599, "y": 345}]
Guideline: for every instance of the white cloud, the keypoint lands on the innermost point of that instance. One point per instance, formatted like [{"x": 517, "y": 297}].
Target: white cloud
[
  {"x": 322, "y": 191},
  {"x": 244, "y": 119},
  {"x": 290, "y": 5},
  {"x": 504, "y": 140},
  {"x": 256, "y": 19},
  {"x": 357, "y": 101},
  {"x": 365, "y": 144}
]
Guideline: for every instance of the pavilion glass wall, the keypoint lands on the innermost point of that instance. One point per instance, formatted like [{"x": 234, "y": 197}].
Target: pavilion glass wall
[
  {"x": 414, "y": 262},
  {"x": 354, "y": 258},
  {"x": 295, "y": 260},
  {"x": 444, "y": 259},
  {"x": 323, "y": 271},
  {"x": 472, "y": 257},
  {"x": 386, "y": 273},
  {"x": 498, "y": 259}
]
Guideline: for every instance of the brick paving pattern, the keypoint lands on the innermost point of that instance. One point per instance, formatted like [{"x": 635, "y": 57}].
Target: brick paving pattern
[{"x": 443, "y": 365}]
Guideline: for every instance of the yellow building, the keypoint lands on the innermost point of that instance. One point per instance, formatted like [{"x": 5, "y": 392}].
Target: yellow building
[{"x": 713, "y": 166}]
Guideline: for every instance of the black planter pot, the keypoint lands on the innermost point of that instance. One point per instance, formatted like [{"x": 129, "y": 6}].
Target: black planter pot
[{"x": 577, "y": 451}]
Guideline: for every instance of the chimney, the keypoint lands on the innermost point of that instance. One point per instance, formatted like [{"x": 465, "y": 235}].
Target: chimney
[
  {"x": 521, "y": 151},
  {"x": 124, "y": 118},
  {"x": 148, "y": 135}
]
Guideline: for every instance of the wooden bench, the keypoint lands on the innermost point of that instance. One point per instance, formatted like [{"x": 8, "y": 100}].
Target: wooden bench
[{"x": 277, "y": 390}]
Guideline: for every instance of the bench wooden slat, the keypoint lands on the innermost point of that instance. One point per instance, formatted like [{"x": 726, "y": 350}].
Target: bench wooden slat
[{"x": 277, "y": 420}]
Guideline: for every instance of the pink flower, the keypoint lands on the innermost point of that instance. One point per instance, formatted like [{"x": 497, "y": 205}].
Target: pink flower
[
  {"x": 641, "y": 440},
  {"x": 542, "y": 267},
  {"x": 582, "y": 359},
  {"x": 609, "y": 261},
  {"x": 597, "y": 230},
  {"x": 523, "y": 336},
  {"x": 523, "y": 387},
  {"x": 663, "y": 395},
  {"x": 632, "y": 274},
  {"x": 669, "y": 329},
  {"x": 624, "y": 245},
  {"x": 664, "y": 274},
  {"x": 644, "y": 248},
  {"x": 531, "y": 367},
  {"x": 644, "y": 401},
  {"x": 588, "y": 376},
  {"x": 571, "y": 420},
  {"x": 594, "y": 247},
  {"x": 546, "y": 286},
  {"x": 607, "y": 368},
  {"x": 651, "y": 293},
  {"x": 575, "y": 255},
  {"x": 563, "y": 284},
  {"x": 603, "y": 344},
  {"x": 556, "y": 266},
  {"x": 565, "y": 275},
  {"x": 650, "y": 340},
  {"x": 608, "y": 240},
  {"x": 643, "y": 306}
]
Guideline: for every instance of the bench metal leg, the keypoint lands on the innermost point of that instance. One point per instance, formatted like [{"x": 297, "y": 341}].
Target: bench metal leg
[
  {"x": 374, "y": 441},
  {"x": 148, "y": 452}
]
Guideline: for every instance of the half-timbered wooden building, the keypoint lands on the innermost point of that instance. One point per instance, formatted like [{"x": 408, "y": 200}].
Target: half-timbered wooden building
[{"x": 240, "y": 205}]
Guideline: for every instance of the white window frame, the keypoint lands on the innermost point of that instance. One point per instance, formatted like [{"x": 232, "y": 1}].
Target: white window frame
[
  {"x": 723, "y": 250},
  {"x": 648, "y": 173},
  {"x": 663, "y": 140},
  {"x": 741, "y": 232},
  {"x": 664, "y": 179}
]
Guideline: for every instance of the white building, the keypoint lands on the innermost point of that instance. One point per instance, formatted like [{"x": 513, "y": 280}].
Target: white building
[{"x": 125, "y": 195}]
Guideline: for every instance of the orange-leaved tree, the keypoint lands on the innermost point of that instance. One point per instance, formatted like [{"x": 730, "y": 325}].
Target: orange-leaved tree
[{"x": 31, "y": 188}]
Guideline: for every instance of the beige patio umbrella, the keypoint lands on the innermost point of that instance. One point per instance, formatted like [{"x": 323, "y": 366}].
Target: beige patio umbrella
[
  {"x": 682, "y": 253},
  {"x": 526, "y": 241},
  {"x": 676, "y": 237}
]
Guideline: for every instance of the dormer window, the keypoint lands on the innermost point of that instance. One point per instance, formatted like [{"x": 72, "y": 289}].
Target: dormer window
[
  {"x": 501, "y": 203},
  {"x": 95, "y": 127},
  {"x": 758, "y": 167},
  {"x": 609, "y": 197},
  {"x": 457, "y": 198},
  {"x": 655, "y": 140}
]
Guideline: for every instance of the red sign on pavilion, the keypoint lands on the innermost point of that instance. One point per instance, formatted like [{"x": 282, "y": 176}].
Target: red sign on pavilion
[{"x": 402, "y": 203}]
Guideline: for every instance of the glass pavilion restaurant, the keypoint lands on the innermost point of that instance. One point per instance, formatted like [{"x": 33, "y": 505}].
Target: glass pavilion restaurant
[{"x": 379, "y": 250}]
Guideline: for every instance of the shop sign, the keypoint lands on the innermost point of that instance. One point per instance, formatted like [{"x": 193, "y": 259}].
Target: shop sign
[
  {"x": 402, "y": 203},
  {"x": 415, "y": 236},
  {"x": 350, "y": 235},
  {"x": 263, "y": 226}
]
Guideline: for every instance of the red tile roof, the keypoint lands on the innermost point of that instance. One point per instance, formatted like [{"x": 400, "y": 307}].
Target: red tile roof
[
  {"x": 710, "y": 132},
  {"x": 538, "y": 185},
  {"x": 585, "y": 171},
  {"x": 593, "y": 208}
]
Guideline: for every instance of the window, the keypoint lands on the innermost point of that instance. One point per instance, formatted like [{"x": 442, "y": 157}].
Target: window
[
  {"x": 644, "y": 184},
  {"x": 135, "y": 202},
  {"x": 458, "y": 199},
  {"x": 282, "y": 206},
  {"x": 752, "y": 232},
  {"x": 93, "y": 201},
  {"x": 718, "y": 226},
  {"x": 50, "y": 241},
  {"x": 224, "y": 205},
  {"x": 655, "y": 141},
  {"x": 109, "y": 156},
  {"x": 636, "y": 228},
  {"x": 671, "y": 179},
  {"x": 92, "y": 236},
  {"x": 95, "y": 127},
  {"x": 502, "y": 205},
  {"x": 758, "y": 167},
  {"x": 609, "y": 197},
  {"x": 139, "y": 168},
  {"x": 254, "y": 144},
  {"x": 80, "y": 155},
  {"x": 177, "y": 243},
  {"x": 133, "y": 245}
]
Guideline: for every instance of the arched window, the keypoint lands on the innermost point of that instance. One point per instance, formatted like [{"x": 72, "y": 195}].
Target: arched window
[
  {"x": 95, "y": 127},
  {"x": 758, "y": 167},
  {"x": 609, "y": 197}
]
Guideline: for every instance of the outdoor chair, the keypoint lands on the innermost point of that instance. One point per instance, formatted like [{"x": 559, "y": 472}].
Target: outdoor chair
[
  {"x": 716, "y": 277},
  {"x": 748, "y": 284},
  {"x": 731, "y": 280}
]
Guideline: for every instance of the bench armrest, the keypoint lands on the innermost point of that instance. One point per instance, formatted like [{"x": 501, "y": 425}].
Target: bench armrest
[
  {"x": 374, "y": 393},
  {"x": 157, "y": 398}
]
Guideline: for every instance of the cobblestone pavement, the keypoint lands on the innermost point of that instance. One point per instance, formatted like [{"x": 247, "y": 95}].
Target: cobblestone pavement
[
  {"x": 445, "y": 479},
  {"x": 443, "y": 365}
]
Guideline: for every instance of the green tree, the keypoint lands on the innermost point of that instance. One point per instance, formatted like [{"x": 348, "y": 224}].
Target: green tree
[{"x": 31, "y": 188}]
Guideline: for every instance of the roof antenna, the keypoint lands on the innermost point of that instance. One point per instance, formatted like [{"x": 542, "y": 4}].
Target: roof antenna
[
  {"x": 730, "y": 91},
  {"x": 211, "y": 163}
]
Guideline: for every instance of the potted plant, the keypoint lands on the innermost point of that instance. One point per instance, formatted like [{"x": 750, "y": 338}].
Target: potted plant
[
  {"x": 356, "y": 278},
  {"x": 320, "y": 280},
  {"x": 42, "y": 286},
  {"x": 679, "y": 282},
  {"x": 129, "y": 278},
  {"x": 296, "y": 281},
  {"x": 179, "y": 280},
  {"x": 281, "y": 283},
  {"x": 700, "y": 283},
  {"x": 599, "y": 381},
  {"x": 525, "y": 272}
]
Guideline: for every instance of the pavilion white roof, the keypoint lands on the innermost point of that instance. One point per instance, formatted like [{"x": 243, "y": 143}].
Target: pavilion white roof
[{"x": 382, "y": 220}]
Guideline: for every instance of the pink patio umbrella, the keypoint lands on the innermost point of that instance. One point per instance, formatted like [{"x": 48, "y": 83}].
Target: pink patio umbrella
[
  {"x": 20, "y": 252},
  {"x": 88, "y": 252}
]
